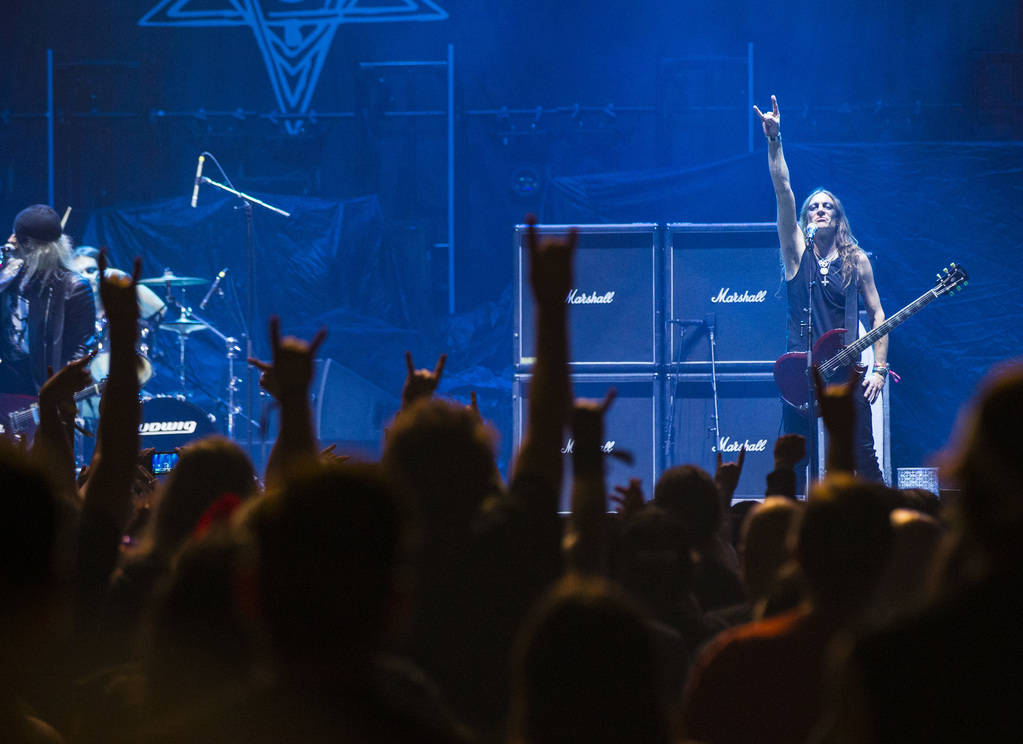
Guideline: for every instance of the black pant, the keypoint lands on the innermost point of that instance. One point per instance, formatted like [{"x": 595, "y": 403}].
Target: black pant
[{"x": 794, "y": 422}]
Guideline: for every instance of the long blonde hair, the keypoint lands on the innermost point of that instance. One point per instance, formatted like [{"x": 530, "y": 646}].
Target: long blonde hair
[
  {"x": 45, "y": 257},
  {"x": 848, "y": 246}
]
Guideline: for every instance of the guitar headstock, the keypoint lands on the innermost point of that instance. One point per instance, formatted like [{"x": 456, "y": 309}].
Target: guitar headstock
[{"x": 951, "y": 279}]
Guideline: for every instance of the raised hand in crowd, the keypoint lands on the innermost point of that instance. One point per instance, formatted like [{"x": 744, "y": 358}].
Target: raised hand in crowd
[
  {"x": 838, "y": 412},
  {"x": 328, "y": 455},
  {"x": 629, "y": 500},
  {"x": 585, "y": 543},
  {"x": 726, "y": 478},
  {"x": 550, "y": 276},
  {"x": 113, "y": 466},
  {"x": 53, "y": 443},
  {"x": 474, "y": 405},
  {"x": 727, "y": 474},
  {"x": 421, "y": 383},
  {"x": 789, "y": 449},
  {"x": 288, "y": 379},
  {"x": 107, "y": 494}
]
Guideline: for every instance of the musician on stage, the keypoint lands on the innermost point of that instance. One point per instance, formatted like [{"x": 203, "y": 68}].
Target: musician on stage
[
  {"x": 85, "y": 259},
  {"x": 817, "y": 245},
  {"x": 47, "y": 313}
]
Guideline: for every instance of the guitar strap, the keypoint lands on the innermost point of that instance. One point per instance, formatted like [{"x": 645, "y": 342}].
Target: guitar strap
[{"x": 852, "y": 311}]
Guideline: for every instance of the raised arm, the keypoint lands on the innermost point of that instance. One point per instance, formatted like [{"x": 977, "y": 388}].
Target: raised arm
[
  {"x": 586, "y": 544},
  {"x": 52, "y": 445},
  {"x": 551, "y": 277},
  {"x": 287, "y": 379},
  {"x": 789, "y": 235},
  {"x": 108, "y": 491}
]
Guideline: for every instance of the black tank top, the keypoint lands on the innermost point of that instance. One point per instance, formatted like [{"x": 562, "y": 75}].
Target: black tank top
[{"x": 828, "y": 300}]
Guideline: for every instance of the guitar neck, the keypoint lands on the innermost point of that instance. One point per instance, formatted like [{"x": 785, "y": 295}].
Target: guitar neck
[
  {"x": 94, "y": 389},
  {"x": 26, "y": 417},
  {"x": 850, "y": 353}
]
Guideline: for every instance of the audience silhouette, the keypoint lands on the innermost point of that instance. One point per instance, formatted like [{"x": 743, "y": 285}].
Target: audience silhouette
[{"x": 422, "y": 598}]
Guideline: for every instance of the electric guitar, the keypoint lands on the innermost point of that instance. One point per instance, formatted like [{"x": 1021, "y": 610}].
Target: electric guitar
[
  {"x": 25, "y": 420},
  {"x": 791, "y": 373}
]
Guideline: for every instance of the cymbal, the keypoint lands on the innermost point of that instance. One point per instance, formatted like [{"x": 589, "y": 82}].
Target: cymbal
[
  {"x": 170, "y": 279},
  {"x": 184, "y": 324}
]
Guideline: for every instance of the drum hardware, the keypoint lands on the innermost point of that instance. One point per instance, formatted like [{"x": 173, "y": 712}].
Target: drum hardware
[
  {"x": 232, "y": 350},
  {"x": 99, "y": 367},
  {"x": 186, "y": 323},
  {"x": 170, "y": 279}
]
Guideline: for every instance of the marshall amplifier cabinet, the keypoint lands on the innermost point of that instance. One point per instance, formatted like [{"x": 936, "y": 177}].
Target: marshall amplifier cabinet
[
  {"x": 726, "y": 278},
  {"x": 614, "y": 320},
  {"x": 749, "y": 413},
  {"x": 631, "y": 425}
]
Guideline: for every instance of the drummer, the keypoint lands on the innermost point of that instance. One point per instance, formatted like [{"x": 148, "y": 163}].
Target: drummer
[{"x": 84, "y": 261}]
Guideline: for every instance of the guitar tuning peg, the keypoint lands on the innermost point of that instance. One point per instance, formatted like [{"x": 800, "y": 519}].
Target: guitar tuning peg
[
  {"x": 965, "y": 283},
  {"x": 938, "y": 276},
  {"x": 953, "y": 264},
  {"x": 945, "y": 270}
]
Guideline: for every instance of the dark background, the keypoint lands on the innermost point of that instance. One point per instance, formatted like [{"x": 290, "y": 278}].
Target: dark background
[{"x": 580, "y": 112}]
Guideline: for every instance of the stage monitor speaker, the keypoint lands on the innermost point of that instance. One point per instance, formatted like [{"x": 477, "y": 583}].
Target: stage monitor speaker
[
  {"x": 728, "y": 276},
  {"x": 614, "y": 318},
  {"x": 348, "y": 410},
  {"x": 631, "y": 425},
  {"x": 749, "y": 412}
]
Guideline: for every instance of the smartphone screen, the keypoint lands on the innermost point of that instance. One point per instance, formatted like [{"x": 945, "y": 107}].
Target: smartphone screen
[{"x": 164, "y": 462}]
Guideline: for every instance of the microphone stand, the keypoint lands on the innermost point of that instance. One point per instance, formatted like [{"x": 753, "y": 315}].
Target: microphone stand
[
  {"x": 247, "y": 202},
  {"x": 711, "y": 323},
  {"x": 813, "y": 446}
]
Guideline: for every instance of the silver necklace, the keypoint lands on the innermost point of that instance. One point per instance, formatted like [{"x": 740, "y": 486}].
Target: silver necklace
[{"x": 823, "y": 264}]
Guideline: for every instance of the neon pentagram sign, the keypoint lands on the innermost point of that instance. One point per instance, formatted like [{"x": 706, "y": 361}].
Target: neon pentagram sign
[{"x": 294, "y": 36}]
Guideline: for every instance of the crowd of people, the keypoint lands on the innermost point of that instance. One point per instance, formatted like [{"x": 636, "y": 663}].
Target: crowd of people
[{"x": 422, "y": 599}]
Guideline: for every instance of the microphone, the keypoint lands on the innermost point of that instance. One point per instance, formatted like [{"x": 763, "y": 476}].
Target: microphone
[
  {"x": 216, "y": 283},
  {"x": 198, "y": 180},
  {"x": 811, "y": 230}
]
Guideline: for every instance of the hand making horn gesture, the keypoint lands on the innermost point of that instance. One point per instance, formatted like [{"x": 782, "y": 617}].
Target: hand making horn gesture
[
  {"x": 420, "y": 383},
  {"x": 726, "y": 476},
  {"x": 292, "y": 368},
  {"x": 771, "y": 121},
  {"x": 117, "y": 293},
  {"x": 550, "y": 263}
]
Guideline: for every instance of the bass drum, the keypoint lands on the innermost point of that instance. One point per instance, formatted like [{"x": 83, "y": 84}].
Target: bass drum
[{"x": 169, "y": 423}]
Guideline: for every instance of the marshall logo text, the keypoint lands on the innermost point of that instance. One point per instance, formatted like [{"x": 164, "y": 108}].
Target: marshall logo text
[
  {"x": 607, "y": 447},
  {"x": 726, "y": 296},
  {"x": 725, "y": 444},
  {"x": 575, "y": 298}
]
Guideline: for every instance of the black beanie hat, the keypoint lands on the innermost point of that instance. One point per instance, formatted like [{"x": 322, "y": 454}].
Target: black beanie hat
[{"x": 38, "y": 222}]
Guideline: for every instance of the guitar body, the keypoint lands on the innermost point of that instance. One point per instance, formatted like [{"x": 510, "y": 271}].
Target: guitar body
[
  {"x": 833, "y": 359},
  {"x": 792, "y": 376}
]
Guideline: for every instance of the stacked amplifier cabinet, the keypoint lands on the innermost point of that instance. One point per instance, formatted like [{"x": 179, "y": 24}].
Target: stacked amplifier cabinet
[
  {"x": 691, "y": 318},
  {"x": 725, "y": 318},
  {"x": 615, "y": 321},
  {"x": 631, "y": 426},
  {"x": 615, "y": 328},
  {"x": 725, "y": 278}
]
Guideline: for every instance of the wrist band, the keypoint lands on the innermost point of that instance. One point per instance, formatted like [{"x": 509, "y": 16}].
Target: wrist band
[
  {"x": 775, "y": 138},
  {"x": 880, "y": 370}
]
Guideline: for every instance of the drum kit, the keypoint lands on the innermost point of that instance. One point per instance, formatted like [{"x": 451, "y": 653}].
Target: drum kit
[{"x": 172, "y": 420}]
